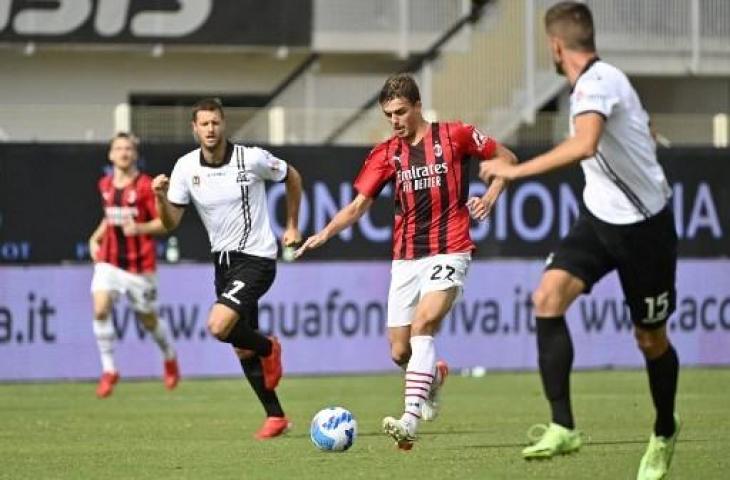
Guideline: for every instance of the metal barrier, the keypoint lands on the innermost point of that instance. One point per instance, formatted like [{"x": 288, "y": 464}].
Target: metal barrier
[
  {"x": 664, "y": 36},
  {"x": 308, "y": 126},
  {"x": 671, "y": 130},
  {"x": 496, "y": 75}
]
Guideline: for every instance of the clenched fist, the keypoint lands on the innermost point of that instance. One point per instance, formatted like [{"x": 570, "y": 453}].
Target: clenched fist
[
  {"x": 479, "y": 208},
  {"x": 160, "y": 185}
]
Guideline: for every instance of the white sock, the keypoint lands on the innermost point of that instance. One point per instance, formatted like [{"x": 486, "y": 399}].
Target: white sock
[
  {"x": 419, "y": 377},
  {"x": 104, "y": 331},
  {"x": 159, "y": 333}
]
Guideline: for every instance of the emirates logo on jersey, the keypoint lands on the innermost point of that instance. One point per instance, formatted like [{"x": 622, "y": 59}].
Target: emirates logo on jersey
[
  {"x": 421, "y": 178},
  {"x": 118, "y": 215}
]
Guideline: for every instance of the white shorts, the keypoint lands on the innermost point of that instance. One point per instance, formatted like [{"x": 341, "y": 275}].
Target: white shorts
[
  {"x": 140, "y": 288},
  {"x": 411, "y": 279}
]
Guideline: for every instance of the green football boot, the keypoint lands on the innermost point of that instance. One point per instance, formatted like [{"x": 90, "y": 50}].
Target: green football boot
[
  {"x": 658, "y": 456},
  {"x": 554, "y": 440}
]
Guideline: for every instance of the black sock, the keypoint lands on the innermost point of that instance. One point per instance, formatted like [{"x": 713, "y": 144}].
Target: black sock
[
  {"x": 555, "y": 357},
  {"x": 245, "y": 337},
  {"x": 268, "y": 398},
  {"x": 663, "y": 373}
]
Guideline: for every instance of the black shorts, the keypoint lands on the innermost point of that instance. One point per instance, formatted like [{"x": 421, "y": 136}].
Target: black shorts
[
  {"x": 643, "y": 253},
  {"x": 241, "y": 279}
]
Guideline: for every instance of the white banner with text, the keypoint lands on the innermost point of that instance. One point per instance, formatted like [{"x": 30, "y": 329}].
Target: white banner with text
[{"x": 331, "y": 317}]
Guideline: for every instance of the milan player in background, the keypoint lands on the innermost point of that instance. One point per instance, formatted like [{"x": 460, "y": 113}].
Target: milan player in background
[
  {"x": 625, "y": 224},
  {"x": 428, "y": 164},
  {"x": 123, "y": 251},
  {"x": 225, "y": 182}
]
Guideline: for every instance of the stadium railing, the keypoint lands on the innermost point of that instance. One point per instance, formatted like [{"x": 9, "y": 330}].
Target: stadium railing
[
  {"x": 671, "y": 129},
  {"x": 497, "y": 74}
]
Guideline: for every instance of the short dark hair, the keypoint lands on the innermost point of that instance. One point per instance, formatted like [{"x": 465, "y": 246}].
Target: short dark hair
[
  {"x": 400, "y": 85},
  {"x": 209, "y": 104},
  {"x": 127, "y": 136},
  {"x": 573, "y": 23}
]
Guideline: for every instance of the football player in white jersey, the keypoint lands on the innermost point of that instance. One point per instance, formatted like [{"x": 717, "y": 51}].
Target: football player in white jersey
[
  {"x": 625, "y": 224},
  {"x": 225, "y": 183}
]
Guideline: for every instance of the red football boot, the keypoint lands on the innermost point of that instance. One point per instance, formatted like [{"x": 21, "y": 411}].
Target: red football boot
[
  {"x": 273, "y": 427},
  {"x": 106, "y": 384},
  {"x": 172, "y": 374}
]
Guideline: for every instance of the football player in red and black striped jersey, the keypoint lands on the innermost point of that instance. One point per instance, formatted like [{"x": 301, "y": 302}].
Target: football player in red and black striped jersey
[
  {"x": 123, "y": 251},
  {"x": 428, "y": 165}
]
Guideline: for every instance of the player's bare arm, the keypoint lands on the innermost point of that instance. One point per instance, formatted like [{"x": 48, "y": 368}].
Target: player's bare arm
[
  {"x": 584, "y": 144},
  {"x": 152, "y": 227},
  {"x": 293, "y": 186},
  {"x": 170, "y": 215},
  {"x": 481, "y": 207},
  {"x": 95, "y": 239},
  {"x": 343, "y": 219}
]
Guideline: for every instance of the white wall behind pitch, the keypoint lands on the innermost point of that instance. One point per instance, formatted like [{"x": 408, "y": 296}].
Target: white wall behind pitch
[{"x": 71, "y": 95}]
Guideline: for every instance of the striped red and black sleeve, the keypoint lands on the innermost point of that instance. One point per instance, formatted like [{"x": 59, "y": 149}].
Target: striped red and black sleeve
[{"x": 376, "y": 172}]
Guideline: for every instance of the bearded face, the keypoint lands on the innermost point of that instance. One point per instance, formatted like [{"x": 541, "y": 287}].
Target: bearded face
[{"x": 556, "y": 49}]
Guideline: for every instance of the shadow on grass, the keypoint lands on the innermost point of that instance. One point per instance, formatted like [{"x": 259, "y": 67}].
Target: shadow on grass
[
  {"x": 379, "y": 433},
  {"x": 587, "y": 444}
]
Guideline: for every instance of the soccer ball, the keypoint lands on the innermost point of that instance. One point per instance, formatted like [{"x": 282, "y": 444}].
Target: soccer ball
[{"x": 333, "y": 429}]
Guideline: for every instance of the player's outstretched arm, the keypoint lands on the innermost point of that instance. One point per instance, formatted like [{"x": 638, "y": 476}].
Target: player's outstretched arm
[
  {"x": 342, "y": 219},
  {"x": 95, "y": 239},
  {"x": 170, "y": 215},
  {"x": 293, "y": 186},
  {"x": 582, "y": 145},
  {"x": 481, "y": 207}
]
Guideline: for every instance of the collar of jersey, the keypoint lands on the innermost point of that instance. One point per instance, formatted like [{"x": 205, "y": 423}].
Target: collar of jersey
[
  {"x": 587, "y": 67},
  {"x": 226, "y": 156}
]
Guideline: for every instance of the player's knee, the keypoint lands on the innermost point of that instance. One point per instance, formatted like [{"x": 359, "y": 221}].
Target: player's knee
[
  {"x": 218, "y": 328},
  {"x": 651, "y": 343},
  {"x": 400, "y": 353},
  {"x": 101, "y": 314},
  {"x": 547, "y": 302},
  {"x": 424, "y": 322},
  {"x": 148, "y": 319}
]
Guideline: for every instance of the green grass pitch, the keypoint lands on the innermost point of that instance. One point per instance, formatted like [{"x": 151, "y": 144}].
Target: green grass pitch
[{"x": 203, "y": 429}]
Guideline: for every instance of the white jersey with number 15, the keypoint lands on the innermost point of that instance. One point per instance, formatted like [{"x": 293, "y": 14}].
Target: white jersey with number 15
[{"x": 624, "y": 182}]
